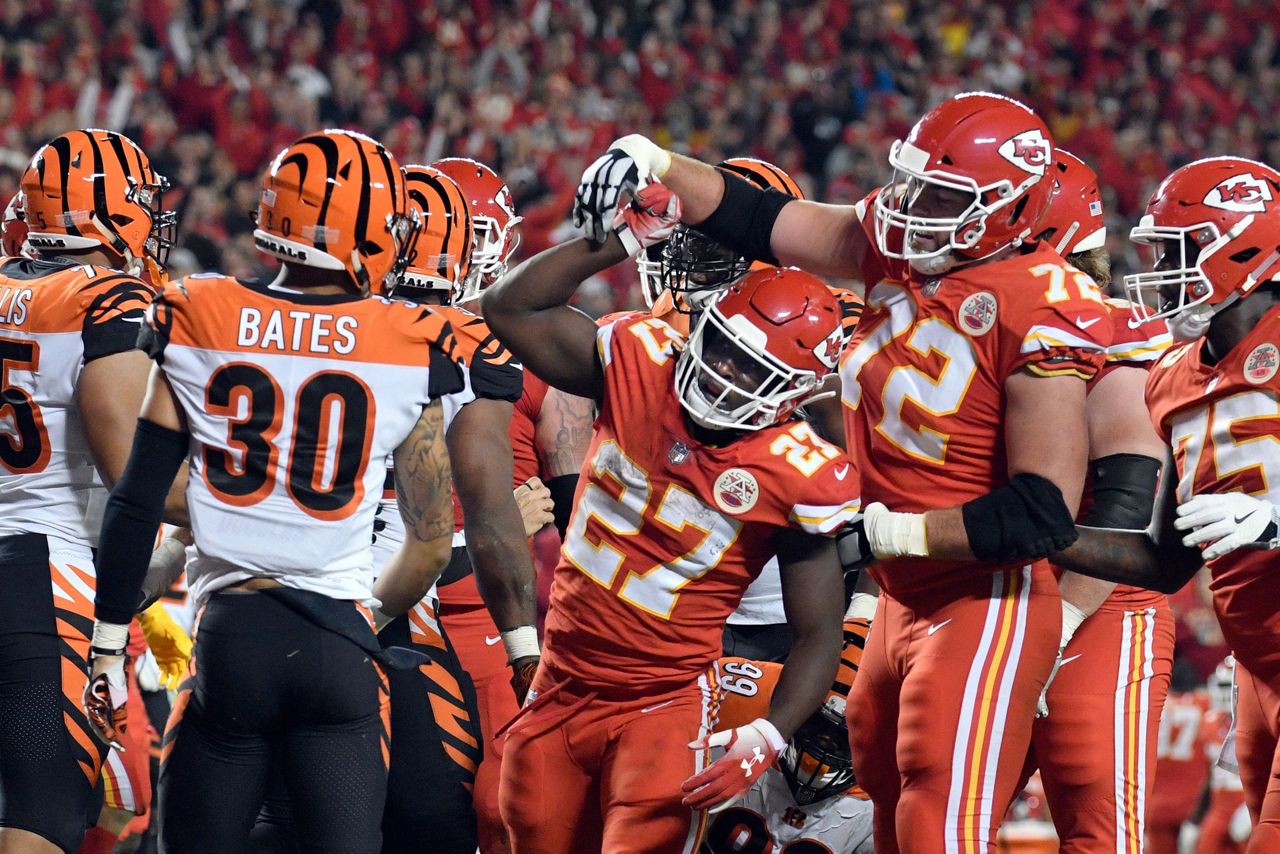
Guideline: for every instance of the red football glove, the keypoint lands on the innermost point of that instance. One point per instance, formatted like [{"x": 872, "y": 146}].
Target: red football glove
[
  {"x": 649, "y": 219},
  {"x": 750, "y": 751}
]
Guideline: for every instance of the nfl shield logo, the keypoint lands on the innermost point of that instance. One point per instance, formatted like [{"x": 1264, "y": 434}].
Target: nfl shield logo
[{"x": 678, "y": 454}]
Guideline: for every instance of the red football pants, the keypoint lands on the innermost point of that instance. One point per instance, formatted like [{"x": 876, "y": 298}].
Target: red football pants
[
  {"x": 1257, "y": 725},
  {"x": 582, "y": 772},
  {"x": 940, "y": 714},
  {"x": 478, "y": 645},
  {"x": 1096, "y": 750},
  {"x": 1215, "y": 827}
]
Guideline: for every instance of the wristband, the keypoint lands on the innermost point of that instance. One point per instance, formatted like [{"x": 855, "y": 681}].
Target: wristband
[
  {"x": 109, "y": 639},
  {"x": 771, "y": 734},
  {"x": 521, "y": 642}
]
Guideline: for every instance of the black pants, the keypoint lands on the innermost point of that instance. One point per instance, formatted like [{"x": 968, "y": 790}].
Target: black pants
[
  {"x": 435, "y": 749},
  {"x": 50, "y": 761},
  {"x": 271, "y": 683}
]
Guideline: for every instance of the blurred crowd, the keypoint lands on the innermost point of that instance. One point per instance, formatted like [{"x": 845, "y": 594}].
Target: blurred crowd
[{"x": 213, "y": 88}]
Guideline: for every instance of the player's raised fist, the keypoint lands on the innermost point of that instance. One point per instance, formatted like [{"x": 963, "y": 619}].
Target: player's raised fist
[{"x": 630, "y": 163}]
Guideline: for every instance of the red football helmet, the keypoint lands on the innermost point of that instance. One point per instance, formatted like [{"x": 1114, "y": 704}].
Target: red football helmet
[
  {"x": 1223, "y": 216},
  {"x": 760, "y": 351},
  {"x": 816, "y": 762},
  {"x": 493, "y": 222},
  {"x": 975, "y": 169},
  {"x": 14, "y": 229},
  {"x": 1073, "y": 222}
]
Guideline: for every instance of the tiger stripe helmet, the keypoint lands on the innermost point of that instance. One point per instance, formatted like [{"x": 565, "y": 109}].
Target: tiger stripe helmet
[
  {"x": 495, "y": 226},
  {"x": 95, "y": 189},
  {"x": 336, "y": 200},
  {"x": 817, "y": 762},
  {"x": 763, "y": 174},
  {"x": 440, "y": 257}
]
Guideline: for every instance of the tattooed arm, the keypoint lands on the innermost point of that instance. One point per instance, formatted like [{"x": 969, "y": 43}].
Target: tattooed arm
[
  {"x": 426, "y": 505},
  {"x": 562, "y": 436},
  {"x": 1154, "y": 558}
]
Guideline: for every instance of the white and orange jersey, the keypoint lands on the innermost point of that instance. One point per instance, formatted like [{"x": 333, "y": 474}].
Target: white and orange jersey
[
  {"x": 54, "y": 318},
  {"x": 490, "y": 372},
  {"x": 1222, "y": 420},
  {"x": 293, "y": 402},
  {"x": 769, "y": 819},
  {"x": 667, "y": 532}
]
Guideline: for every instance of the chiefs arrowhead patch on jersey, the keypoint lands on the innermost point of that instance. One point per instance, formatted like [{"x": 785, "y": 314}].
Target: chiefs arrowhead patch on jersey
[
  {"x": 736, "y": 491},
  {"x": 1029, "y": 151},
  {"x": 977, "y": 313},
  {"x": 1242, "y": 193},
  {"x": 1262, "y": 363}
]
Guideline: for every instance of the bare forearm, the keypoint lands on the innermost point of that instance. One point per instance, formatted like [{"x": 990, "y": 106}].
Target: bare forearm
[
  {"x": 549, "y": 279},
  {"x": 699, "y": 186},
  {"x": 1128, "y": 557},
  {"x": 947, "y": 537},
  {"x": 805, "y": 678},
  {"x": 503, "y": 566},
  {"x": 409, "y": 575}
]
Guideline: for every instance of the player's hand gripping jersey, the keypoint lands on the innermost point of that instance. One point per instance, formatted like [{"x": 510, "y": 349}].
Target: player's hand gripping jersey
[
  {"x": 666, "y": 532},
  {"x": 1223, "y": 423},
  {"x": 924, "y": 379},
  {"x": 293, "y": 403},
  {"x": 54, "y": 318}
]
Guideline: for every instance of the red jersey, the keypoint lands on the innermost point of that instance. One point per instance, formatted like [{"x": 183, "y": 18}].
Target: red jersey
[
  {"x": 1182, "y": 758},
  {"x": 1133, "y": 345},
  {"x": 524, "y": 428},
  {"x": 923, "y": 381},
  {"x": 1223, "y": 422},
  {"x": 666, "y": 532}
]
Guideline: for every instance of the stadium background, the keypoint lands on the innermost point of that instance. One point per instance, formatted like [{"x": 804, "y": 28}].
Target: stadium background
[{"x": 212, "y": 90}]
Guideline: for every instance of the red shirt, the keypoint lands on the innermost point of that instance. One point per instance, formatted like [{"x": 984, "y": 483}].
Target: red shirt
[
  {"x": 1223, "y": 423},
  {"x": 666, "y": 532}
]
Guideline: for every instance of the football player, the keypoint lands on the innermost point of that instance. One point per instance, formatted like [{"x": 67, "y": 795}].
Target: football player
[
  {"x": 71, "y": 385},
  {"x": 1096, "y": 777},
  {"x": 436, "y": 738},
  {"x": 287, "y": 396},
  {"x": 549, "y": 434},
  {"x": 811, "y": 796},
  {"x": 1215, "y": 224},
  {"x": 964, "y": 391},
  {"x": 698, "y": 473},
  {"x": 1224, "y": 828}
]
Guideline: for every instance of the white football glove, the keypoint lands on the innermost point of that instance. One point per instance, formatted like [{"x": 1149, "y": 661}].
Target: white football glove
[
  {"x": 630, "y": 163},
  {"x": 894, "y": 534},
  {"x": 1229, "y": 521},
  {"x": 650, "y": 218}
]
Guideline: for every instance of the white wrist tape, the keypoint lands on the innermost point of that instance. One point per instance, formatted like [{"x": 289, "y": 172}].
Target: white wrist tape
[
  {"x": 628, "y": 238},
  {"x": 771, "y": 734},
  {"x": 895, "y": 534},
  {"x": 1072, "y": 617},
  {"x": 861, "y": 607},
  {"x": 521, "y": 642},
  {"x": 110, "y": 637}
]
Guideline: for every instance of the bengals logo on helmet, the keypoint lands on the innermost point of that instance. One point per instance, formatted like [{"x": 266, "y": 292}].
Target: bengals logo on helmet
[
  {"x": 1243, "y": 193},
  {"x": 1029, "y": 151}
]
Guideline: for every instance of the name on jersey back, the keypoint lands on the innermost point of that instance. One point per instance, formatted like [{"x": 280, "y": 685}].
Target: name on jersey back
[
  {"x": 297, "y": 330},
  {"x": 13, "y": 305}
]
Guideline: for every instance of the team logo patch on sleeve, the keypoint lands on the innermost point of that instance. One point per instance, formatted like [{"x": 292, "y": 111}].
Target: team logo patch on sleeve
[
  {"x": 1029, "y": 151},
  {"x": 1262, "y": 363},
  {"x": 736, "y": 491},
  {"x": 1240, "y": 194},
  {"x": 977, "y": 313}
]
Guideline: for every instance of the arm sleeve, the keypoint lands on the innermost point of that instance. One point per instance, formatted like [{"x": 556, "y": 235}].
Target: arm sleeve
[
  {"x": 132, "y": 515},
  {"x": 562, "y": 489},
  {"x": 115, "y": 311}
]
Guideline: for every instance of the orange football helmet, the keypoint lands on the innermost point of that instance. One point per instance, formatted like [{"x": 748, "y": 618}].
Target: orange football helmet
[
  {"x": 95, "y": 189},
  {"x": 817, "y": 762},
  {"x": 494, "y": 224},
  {"x": 336, "y": 200},
  {"x": 440, "y": 257}
]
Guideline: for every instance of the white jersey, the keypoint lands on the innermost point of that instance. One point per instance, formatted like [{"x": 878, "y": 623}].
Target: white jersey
[
  {"x": 761, "y": 604},
  {"x": 768, "y": 819},
  {"x": 56, "y": 317},
  {"x": 292, "y": 401}
]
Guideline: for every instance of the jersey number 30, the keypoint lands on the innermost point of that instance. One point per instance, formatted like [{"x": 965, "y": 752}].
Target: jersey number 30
[{"x": 329, "y": 446}]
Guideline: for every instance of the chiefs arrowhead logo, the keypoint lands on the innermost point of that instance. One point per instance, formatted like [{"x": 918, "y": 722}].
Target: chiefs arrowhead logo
[
  {"x": 1242, "y": 193},
  {"x": 829, "y": 349},
  {"x": 1029, "y": 151}
]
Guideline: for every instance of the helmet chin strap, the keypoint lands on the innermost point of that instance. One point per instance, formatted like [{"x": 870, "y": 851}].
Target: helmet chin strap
[{"x": 130, "y": 263}]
